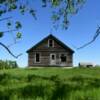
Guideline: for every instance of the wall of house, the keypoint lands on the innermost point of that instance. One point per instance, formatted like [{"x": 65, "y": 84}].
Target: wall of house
[
  {"x": 45, "y": 52},
  {"x": 45, "y": 59}
]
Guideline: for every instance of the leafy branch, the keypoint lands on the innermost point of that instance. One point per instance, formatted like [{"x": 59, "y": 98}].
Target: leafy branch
[
  {"x": 18, "y": 35},
  {"x": 61, "y": 9}
]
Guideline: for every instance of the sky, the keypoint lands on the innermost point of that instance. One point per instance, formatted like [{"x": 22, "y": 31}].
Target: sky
[{"x": 82, "y": 27}]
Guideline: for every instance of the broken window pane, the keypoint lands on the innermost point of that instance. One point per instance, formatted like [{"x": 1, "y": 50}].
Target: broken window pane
[{"x": 63, "y": 58}]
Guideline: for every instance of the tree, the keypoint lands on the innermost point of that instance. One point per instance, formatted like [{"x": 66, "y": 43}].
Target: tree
[
  {"x": 61, "y": 11},
  {"x": 8, "y": 64}
]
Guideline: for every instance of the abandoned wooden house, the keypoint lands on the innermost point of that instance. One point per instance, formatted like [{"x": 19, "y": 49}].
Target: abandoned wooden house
[{"x": 50, "y": 52}]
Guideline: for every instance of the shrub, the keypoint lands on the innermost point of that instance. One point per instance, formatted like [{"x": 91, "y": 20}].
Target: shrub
[{"x": 8, "y": 64}]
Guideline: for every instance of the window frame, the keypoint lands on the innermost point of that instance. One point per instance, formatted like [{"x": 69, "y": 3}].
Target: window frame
[
  {"x": 64, "y": 55},
  {"x": 49, "y": 43},
  {"x": 39, "y": 57}
]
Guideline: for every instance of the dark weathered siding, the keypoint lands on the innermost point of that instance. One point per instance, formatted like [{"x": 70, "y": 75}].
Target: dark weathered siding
[{"x": 45, "y": 52}]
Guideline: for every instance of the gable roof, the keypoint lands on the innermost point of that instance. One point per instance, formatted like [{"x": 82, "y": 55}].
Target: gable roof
[{"x": 54, "y": 38}]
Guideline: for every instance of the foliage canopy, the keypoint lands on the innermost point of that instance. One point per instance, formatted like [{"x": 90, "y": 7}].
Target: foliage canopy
[{"x": 61, "y": 11}]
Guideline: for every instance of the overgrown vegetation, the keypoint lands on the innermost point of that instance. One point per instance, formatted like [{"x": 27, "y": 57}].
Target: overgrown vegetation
[
  {"x": 8, "y": 64},
  {"x": 50, "y": 84}
]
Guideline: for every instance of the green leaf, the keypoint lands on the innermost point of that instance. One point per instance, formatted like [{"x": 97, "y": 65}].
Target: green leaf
[
  {"x": 80, "y": 1},
  {"x": 13, "y": 6},
  {"x": 18, "y": 25},
  {"x": 32, "y": 12},
  {"x": 44, "y": 3},
  {"x": 55, "y": 17},
  {"x": 19, "y": 35},
  {"x": 9, "y": 24},
  {"x": 1, "y": 34},
  {"x": 1, "y": 12},
  {"x": 56, "y": 3},
  {"x": 2, "y": 1},
  {"x": 22, "y": 9}
]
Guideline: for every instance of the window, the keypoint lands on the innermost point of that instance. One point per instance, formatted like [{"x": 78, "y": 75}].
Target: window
[
  {"x": 63, "y": 58},
  {"x": 37, "y": 58},
  {"x": 50, "y": 43},
  {"x": 53, "y": 57}
]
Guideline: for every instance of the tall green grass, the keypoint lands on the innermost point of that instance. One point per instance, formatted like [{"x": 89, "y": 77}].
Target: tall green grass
[{"x": 50, "y": 84}]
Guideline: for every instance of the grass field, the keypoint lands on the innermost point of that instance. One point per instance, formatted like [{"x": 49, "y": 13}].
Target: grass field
[{"x": 50, "y": 84}]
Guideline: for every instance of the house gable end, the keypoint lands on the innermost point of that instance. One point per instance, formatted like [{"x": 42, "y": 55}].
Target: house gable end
[{"x": 43, "y": 44}]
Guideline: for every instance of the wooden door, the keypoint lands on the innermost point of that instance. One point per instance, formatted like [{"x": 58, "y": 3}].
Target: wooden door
[{"x": 52, "y": 59}]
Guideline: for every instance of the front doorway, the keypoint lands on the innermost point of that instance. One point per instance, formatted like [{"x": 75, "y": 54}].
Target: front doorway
[{"x": 53, "y": 59}]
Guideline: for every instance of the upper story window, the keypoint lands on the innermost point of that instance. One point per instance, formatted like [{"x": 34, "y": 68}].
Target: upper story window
[{"x": 50, "y": 43}]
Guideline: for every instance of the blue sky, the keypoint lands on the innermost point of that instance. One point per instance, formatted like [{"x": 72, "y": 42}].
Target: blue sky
[{"x": 81, "y": 30}]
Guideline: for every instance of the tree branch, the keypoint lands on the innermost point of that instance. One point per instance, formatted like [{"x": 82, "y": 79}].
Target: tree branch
[
  {"x": 94, "y": 38},
  {"x": 10, "y": 31},
  {"x": 9, "y": 50},
  {"x": 16, "y": 42},
  {"x": 5, "y": 18}
]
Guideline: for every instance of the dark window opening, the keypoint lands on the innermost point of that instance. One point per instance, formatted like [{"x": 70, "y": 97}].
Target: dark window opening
[
  {"x": 63, "y": 58},
  {"x": 50, "y": 43},
  {"x": 37, "y": 57},
  {"x": 53, "y": 57}
]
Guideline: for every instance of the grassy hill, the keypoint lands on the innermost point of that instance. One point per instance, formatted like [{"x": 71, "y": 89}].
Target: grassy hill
[{"x": 50, "y": 84}]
